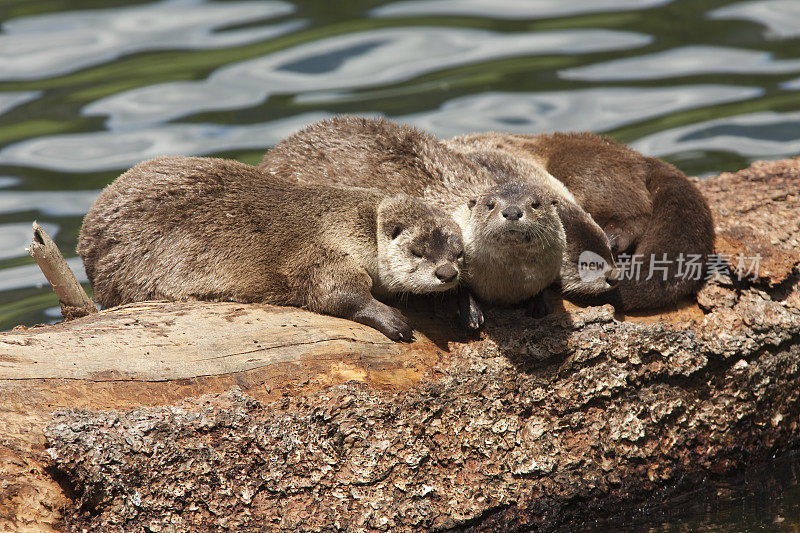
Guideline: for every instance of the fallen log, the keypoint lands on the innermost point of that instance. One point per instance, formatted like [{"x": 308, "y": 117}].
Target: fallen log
[
  {"x": 539, "y": 423},
  {"x": 154, "y": 353}
]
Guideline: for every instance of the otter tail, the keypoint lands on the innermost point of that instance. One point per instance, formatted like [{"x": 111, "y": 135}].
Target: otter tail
[{"x": 674, "y": 248}]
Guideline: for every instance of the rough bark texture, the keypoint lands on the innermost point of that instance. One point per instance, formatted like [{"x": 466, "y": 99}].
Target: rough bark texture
[{"x": 539, "y": 423}]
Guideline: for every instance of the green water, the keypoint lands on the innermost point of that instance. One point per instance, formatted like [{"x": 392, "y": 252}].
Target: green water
[{"x": 88, "y": 88}]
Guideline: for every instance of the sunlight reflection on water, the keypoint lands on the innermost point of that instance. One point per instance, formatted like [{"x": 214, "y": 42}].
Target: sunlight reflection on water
[
  {"x": 686, "y": 61},
  {"x": 352, "y": 61},
  {"x": 511, "y": 9},
  {"x": 43, "y": 46}
]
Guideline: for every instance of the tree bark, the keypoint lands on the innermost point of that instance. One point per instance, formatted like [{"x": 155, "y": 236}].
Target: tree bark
[{"x": 536, "y": 424}]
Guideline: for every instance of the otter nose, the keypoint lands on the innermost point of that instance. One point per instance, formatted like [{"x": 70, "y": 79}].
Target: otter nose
[
  {"x": 512, "y": 212},
  {"x": 613, "y": 276},
  {"x": 446, "y": 273}
]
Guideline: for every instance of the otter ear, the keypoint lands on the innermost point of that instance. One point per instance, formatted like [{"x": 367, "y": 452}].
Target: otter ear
[
  {"x": 472, "y": 203},
  {"x": 393, "y": 230}
]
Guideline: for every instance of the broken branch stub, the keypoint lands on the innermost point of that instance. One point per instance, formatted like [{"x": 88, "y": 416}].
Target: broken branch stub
[{"x": 74, "y": 301}]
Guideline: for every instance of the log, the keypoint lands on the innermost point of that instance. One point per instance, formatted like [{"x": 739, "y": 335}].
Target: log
[
  {"x": 198, "y": 415},
  {"x": 155, "y": 353}
]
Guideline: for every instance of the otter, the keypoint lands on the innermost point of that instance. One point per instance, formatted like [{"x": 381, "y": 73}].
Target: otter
[
  {"x": 648, "y": 208},
  {"x": 212, "y": 229},
  {"x": 578, "y": 278},
  {"x": 513, "y": 238},
  {"x": 514, "y": 243}
]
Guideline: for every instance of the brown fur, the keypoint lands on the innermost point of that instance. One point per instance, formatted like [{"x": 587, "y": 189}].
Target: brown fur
[
  {"x": 362, "y": 152},
  {"x": 582, "y": 232},
  {"x": 646, "y": 206},
  {"x": 213, "y": 229},
  {"x": 376, "y": 153}
]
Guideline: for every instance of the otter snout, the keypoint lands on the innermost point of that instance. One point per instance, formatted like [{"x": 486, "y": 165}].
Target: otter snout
[
  {"x": 512, "y": 212},
  {"x": 446, "y": 273}
]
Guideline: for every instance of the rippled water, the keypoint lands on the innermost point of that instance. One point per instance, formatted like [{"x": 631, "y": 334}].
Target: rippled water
[{"x": 90, "y": 90}]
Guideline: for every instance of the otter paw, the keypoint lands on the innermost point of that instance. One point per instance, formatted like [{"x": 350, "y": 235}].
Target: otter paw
[
  {"x": 474, "y": 320},
  {"x": 388, "y": 320},
  {"x": 540, "y": 305},
  {"x": 395, "y": 327},
  {"x": 469, "y": 311}
]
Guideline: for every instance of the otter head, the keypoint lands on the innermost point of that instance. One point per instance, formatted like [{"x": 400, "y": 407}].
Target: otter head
[
  {"x": 419, "y": 247},
  {"x": 588, "y": 266},
  {"x": 514, "y": 214}
]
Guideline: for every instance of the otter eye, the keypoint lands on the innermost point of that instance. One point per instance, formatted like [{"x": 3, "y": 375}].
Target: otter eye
[
  {"x": 554, "y": 202},
  {"x": 460, "y": 255},
  {"x": 472, "y": 203},
  {"x": 535, "y": 205},
  {"x": 490, "y": 204},
  {"x": 416, "y": 252},
  {"x": 396, "y": 230}
]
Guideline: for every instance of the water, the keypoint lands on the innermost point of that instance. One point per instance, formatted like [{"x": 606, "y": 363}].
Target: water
[
  {"x": 90, "y": 87},
  {"x": 764, "y": 498}
]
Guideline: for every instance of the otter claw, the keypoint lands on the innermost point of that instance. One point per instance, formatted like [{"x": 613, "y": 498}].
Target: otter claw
[
  {"x": 469, "y": 311},
  {"x": 385, "y": 319},
  {"x": 395, "y": 328},
  {"x": 475, "y": 319},
  {"x": 400, "y": 332}
]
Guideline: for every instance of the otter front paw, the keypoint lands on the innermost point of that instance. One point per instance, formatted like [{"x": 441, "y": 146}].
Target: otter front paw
[
  {"x": 388, "y": 320},
  {"x": 395, "y": 326},
  {"x": 540, "y": 305},
  {"x": 469, "y": 311}
]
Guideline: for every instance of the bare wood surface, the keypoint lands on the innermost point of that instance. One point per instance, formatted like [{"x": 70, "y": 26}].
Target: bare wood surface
[
  {"x": 539, "y": 423},
  {"x": 73, "y": 299},
  {"x": 163, "y": 341}
]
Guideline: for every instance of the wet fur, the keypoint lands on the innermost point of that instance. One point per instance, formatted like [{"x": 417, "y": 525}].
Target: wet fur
[
  {"x": 644, "y": 205},
  {"x": 362, "y": 152},
  {"x": 211, "y": 229}
]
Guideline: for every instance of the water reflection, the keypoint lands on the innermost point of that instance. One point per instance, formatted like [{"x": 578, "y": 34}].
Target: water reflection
[
  {"x": 781, "y": 17},
  {"x": 353, "y": 61},
  {"x": 16, "y": 237},
  {"x": 502, "y": 66},
  {"x": 509, "y": 9},
  {"x": 13, "y": 99},
  {"x": 792, "y": 85},
  {"x": 597, "y": 109},
  {"x": 684, "y": 61},
  {"x": 49, "y": 45},
  {"x": 110, "y": 150},
  {"x": 766, "y": 134},
  {"x": 30, "y": 275},
  {"x": 8, "y": 181},
  {"x": 49, "y": 203}
]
